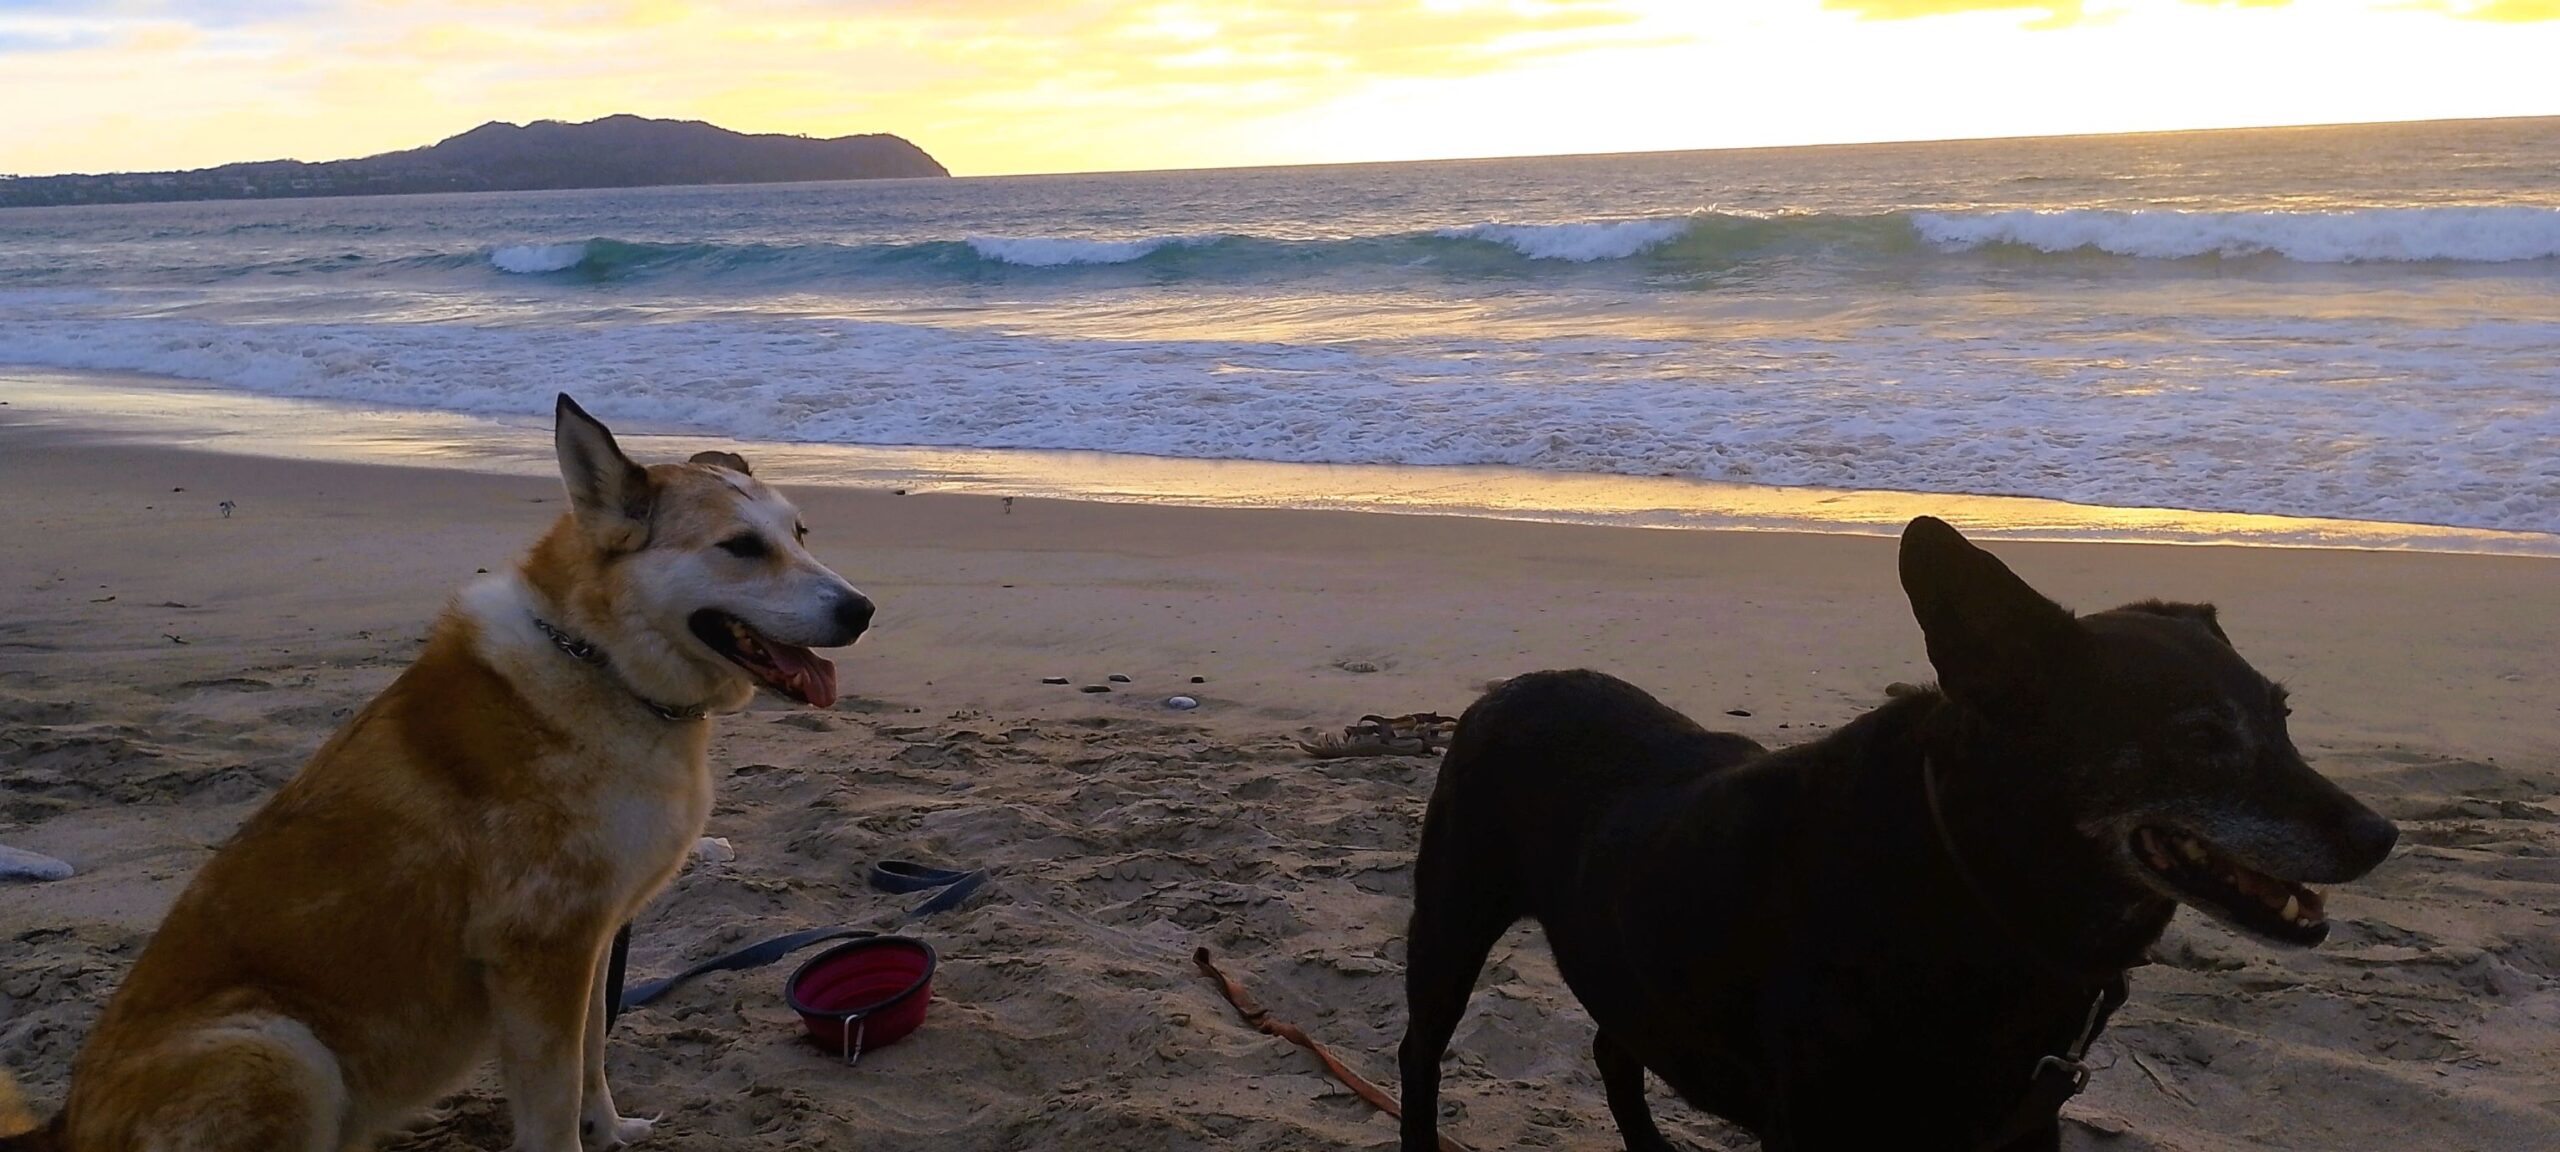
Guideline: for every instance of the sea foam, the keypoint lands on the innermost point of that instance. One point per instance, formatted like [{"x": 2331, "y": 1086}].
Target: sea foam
[
  {"x": 1579, "y": 242},
  {"x": 2482, "y": 235},
  {"x": 2407, "y": 431},
  {"x": 1058, "y": 251},
  {"x": 536, "y": 259}
]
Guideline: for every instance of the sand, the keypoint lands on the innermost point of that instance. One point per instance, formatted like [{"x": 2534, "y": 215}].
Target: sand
[{"x": 163, "y": 667}]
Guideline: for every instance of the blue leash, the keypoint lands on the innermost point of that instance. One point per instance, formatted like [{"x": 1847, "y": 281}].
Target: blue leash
[{"x": 951, "y": 888}]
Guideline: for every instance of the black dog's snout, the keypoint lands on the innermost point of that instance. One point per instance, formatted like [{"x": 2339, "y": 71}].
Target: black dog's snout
[
  {"x": 2371, "y": 836},
  {"x": 853, "y": 616}
]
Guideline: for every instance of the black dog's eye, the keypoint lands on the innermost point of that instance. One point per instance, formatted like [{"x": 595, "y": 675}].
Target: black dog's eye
[
  {"x": 747, "y": 547},
  {"x": 2284, "y": 701},
  {"x": 2210, "y": 736}
]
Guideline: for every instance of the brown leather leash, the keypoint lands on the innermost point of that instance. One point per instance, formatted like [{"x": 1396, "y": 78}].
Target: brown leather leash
[{"x": 1260, "y": 1017}]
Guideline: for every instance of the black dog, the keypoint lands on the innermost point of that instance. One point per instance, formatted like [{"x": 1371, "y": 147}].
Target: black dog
[{"x": 1903, "y": 936}]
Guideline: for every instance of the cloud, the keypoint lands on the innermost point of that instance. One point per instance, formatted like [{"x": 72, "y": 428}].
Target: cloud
[
  {"x": 50, "y": 26},
  {"x": 1018, "y": 83},
  {"x": 2510, "y": 11},
  {"x": 2056, "y": 12},
  {"x": 199, "y": 13},
  {"x": 1139, "y": 40},
  {"x": 1033, "y": 85},
  {"x": 21, "y": 40}
]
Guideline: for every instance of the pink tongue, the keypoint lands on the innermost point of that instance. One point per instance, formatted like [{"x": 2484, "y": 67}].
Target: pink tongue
[{"x": 805, "y": 674}]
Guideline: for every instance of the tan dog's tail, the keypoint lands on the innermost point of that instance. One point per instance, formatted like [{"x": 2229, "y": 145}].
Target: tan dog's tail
[{"x": 18, "y": 1129}]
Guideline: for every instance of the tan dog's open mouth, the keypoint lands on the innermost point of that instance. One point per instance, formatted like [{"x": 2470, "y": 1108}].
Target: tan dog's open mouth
[
  {"x": 789, "y": 669},
  {"x": 2208, "y": 878}
]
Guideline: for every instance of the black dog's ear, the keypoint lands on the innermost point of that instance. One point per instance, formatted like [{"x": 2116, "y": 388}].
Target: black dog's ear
[
  {"x": 1997, "y": 643},
  {"x": 609, "y": 494},
  {"x": 729, "y": 460},
  {"x": 2200, "y": 613}
]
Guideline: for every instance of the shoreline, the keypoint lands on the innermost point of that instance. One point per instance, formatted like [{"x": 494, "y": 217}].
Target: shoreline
[
  {"x": 1440, "y": 603},
  {"x": 149, "y": 410}
]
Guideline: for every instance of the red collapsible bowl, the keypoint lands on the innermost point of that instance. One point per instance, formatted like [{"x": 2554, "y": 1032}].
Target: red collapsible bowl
[{"x": 864, "y": 994}]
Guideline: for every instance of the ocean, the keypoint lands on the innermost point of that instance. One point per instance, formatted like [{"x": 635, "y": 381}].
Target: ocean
[{"x": 2359, "y": 323}]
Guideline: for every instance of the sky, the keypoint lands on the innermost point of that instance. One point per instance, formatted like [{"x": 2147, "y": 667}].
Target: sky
[{"x": 1011, "y": 86}]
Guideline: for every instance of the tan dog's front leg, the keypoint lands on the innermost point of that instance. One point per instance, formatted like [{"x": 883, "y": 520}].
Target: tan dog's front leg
[
  {"x": 599, "y": 1125},
  {"x": 540, "y": 999}
]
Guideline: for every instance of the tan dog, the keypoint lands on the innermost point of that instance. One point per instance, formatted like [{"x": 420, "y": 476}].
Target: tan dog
[{"x": 446, "y": 874}]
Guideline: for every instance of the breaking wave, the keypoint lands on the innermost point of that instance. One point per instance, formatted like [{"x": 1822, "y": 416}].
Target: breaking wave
[{"x": 1698, "y": 242}]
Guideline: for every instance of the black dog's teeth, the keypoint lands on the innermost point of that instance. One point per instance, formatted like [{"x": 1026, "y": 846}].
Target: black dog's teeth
[{"x": 2189, "y": 860}]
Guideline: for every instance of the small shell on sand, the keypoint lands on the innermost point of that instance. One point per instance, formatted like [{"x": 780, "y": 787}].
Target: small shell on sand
[
  {"x": 1181, "y": 703},
  {"x": 20, "y": 864}
]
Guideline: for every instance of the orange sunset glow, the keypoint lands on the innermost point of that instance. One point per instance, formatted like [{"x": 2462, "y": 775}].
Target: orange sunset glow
[{"x": 1007, "y": 86}]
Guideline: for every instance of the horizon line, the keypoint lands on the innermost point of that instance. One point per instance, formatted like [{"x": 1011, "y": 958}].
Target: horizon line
[
  {"x": 1473, "y": 158},
  {"x": 1807, "y": 146}
]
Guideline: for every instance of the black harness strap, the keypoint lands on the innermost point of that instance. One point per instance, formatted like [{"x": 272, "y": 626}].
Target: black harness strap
[{"x": 2057, "y": 1078}]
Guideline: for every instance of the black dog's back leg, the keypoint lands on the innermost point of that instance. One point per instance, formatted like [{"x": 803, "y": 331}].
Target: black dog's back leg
[
  {"x": 1623, "y": 1075},
  {"x": 1464, "y": 898}
]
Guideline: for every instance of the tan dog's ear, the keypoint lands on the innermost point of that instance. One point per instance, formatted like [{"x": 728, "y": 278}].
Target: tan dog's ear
[
  {"x": 729, "y": 460},
  {"x": 608, "y": 493}
]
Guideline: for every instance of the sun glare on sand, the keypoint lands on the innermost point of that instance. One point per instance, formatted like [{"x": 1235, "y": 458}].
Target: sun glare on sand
[{"x": 1003, "y": 86}]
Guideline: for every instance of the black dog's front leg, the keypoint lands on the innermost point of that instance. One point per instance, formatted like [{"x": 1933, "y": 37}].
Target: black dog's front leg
[{"x": 1623, "y": 1075}]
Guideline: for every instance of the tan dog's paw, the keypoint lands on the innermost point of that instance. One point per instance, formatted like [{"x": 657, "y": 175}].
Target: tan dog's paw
[{"x": 611, "y": 1131}]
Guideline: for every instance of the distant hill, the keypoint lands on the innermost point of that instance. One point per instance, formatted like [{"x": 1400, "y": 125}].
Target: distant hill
[{"x": 615, "y": 152}]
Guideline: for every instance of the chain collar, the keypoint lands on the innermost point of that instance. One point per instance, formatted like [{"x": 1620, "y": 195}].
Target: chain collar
[{"x": 588, "y": 654}]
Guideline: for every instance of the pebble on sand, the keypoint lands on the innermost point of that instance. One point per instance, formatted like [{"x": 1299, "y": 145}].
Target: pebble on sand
[{"x": 1181, "y": 703}]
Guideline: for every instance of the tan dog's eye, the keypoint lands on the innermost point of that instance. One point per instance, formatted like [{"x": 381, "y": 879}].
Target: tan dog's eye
[
  {"x": 799, "y": 531},
  {"x": 748, "y": 546}
]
